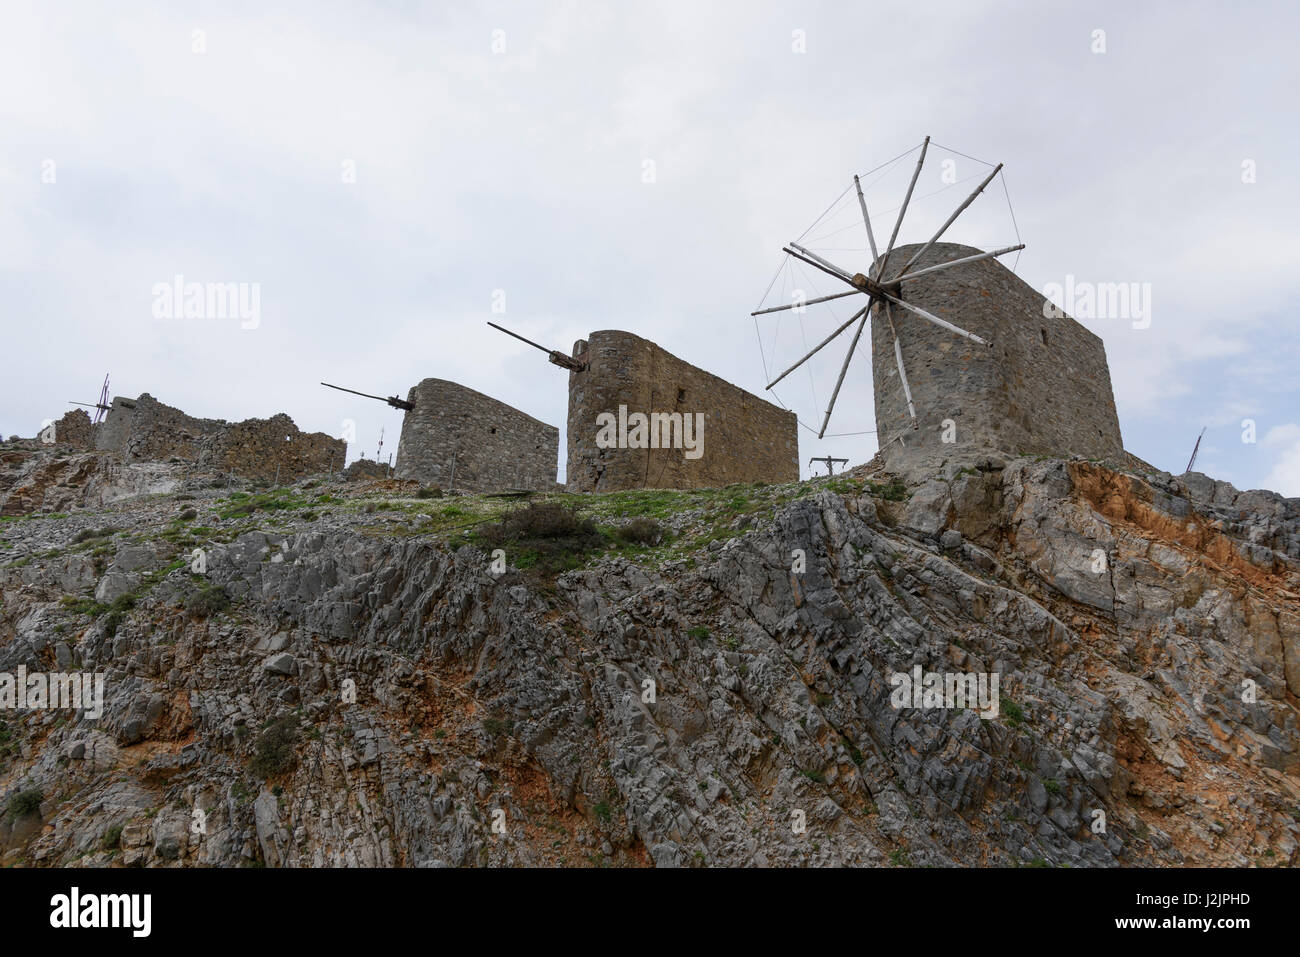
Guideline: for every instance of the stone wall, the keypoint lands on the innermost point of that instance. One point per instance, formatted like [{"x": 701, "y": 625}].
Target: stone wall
[
  {"x": 145, "y": 429},
  {"x": 745, "y": 438},
  {"x": 1043, "y": 388},
  {"x": 462, "y": 440},
  {"x": 75, "y": 429}
]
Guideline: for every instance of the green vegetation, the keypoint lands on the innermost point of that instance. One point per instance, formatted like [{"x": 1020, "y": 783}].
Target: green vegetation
[
  {"x": 1014, "y": 714},
  {"x": 241, "y": 504},
  {"x": 547, "y": 538},
  {"x": 274, "y": 753},
  {"x": 206, "y": 600},
  {"x": 25, "y": 803},
  {"x": 112, "y": 838}
]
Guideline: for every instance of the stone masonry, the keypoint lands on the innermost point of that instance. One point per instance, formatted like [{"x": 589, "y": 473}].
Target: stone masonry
[
  {"x": 145, "y": 429},
  {"x": 745, "y": 438},
  {"x": 75, "y": 429},
  {"x": 1043, "y": 388},
  {"x": 462, "y": 440}
]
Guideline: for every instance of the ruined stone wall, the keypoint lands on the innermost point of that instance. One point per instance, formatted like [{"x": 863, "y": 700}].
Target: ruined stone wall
[
  {"x": 462, "y": 440},
  {"x": 145, "y": 429},
  {"x": 265, "y": 448},
  {"x": 745, "y": 438},
  {"x": 1043, "y": 388},
  {"x": 75, "y": 429},
  {"x": 363, "y": 469}
]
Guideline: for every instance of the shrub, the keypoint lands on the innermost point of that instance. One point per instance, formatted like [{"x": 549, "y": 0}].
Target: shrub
[
  {"x": 543, "y": 520},
  {"x": 117, "y": 611},
  {"x": 25, "y": 803},
  {"x": 112, "y": 838},
  {"x": 1013, "y": 712},
  {"x": 547, "y": 538},
  {"x": 207, "y": 600},
  {"x": 187, "y": 516},
  {"x": 86, "y": 534},
  {"x": 642, "y": 531},
  {"x": 429, "y": 491},
  {"x": 274, "y": 751}
]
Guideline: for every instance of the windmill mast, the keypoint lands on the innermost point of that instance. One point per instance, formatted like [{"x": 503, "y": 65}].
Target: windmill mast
[{"x": 1196, "y": 448}]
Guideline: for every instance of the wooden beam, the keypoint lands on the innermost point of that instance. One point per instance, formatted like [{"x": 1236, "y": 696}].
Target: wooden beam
[
  {"x": 835, "y": 270},
  {"x": 936, "y": 320},
  {"x": 809, "y": 302},
  {"x": 829, "y": 270},
  {"x": 902, "y": 373},
  {"x": 944, "y": 228},
  {"x": 820, "y": 346},
  {"x": 903, "y": 209},
  {"x": 866, "y": 219},
  {"x": 963, "y": 261},
  {"x": 840, "y": 381}
]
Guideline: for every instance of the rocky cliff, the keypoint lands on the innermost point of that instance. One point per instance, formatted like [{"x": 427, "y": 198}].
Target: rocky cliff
[{"x": 349, "y": 674}]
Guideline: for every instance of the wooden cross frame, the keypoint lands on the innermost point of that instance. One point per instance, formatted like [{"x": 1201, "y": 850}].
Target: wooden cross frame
[{"x": 885, "y": 291}]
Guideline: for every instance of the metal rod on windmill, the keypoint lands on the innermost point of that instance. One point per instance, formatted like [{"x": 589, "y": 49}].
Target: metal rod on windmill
[
  {"x": 101, "y": 406},
  {"x": 392, "y": 400},
  {"x": 1196, "y": 448},
  {"x": 554, "y": 355}
]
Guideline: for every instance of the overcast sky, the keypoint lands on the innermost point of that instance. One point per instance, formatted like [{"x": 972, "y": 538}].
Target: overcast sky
[{"x": 386, "y": 173}]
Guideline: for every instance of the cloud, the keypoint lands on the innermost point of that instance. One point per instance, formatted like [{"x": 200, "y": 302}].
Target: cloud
[{"x": 1284, "y": 478}]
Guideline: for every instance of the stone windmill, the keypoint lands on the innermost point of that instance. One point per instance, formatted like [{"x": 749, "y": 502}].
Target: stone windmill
[
  {"x": 881, "y": 283},
  {"x": 985, "y": 363}
]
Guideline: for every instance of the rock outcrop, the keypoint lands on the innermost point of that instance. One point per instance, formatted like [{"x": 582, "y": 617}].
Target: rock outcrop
[{"x": 352, "y": 681}]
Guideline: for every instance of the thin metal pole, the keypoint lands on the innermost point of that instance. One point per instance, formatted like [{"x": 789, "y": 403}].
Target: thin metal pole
[
  {"x": 808, "y": 302},
  {"x": 818, "y": 349},
  {"x": 936, "y": 320},
  {"x": 944, "y": 228},
  {"x": 903, "y": 209},
  {"x": 963, "y": 261},
  {"x": 518, "y": 336},
  {"x": 843, "y": 370}
]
